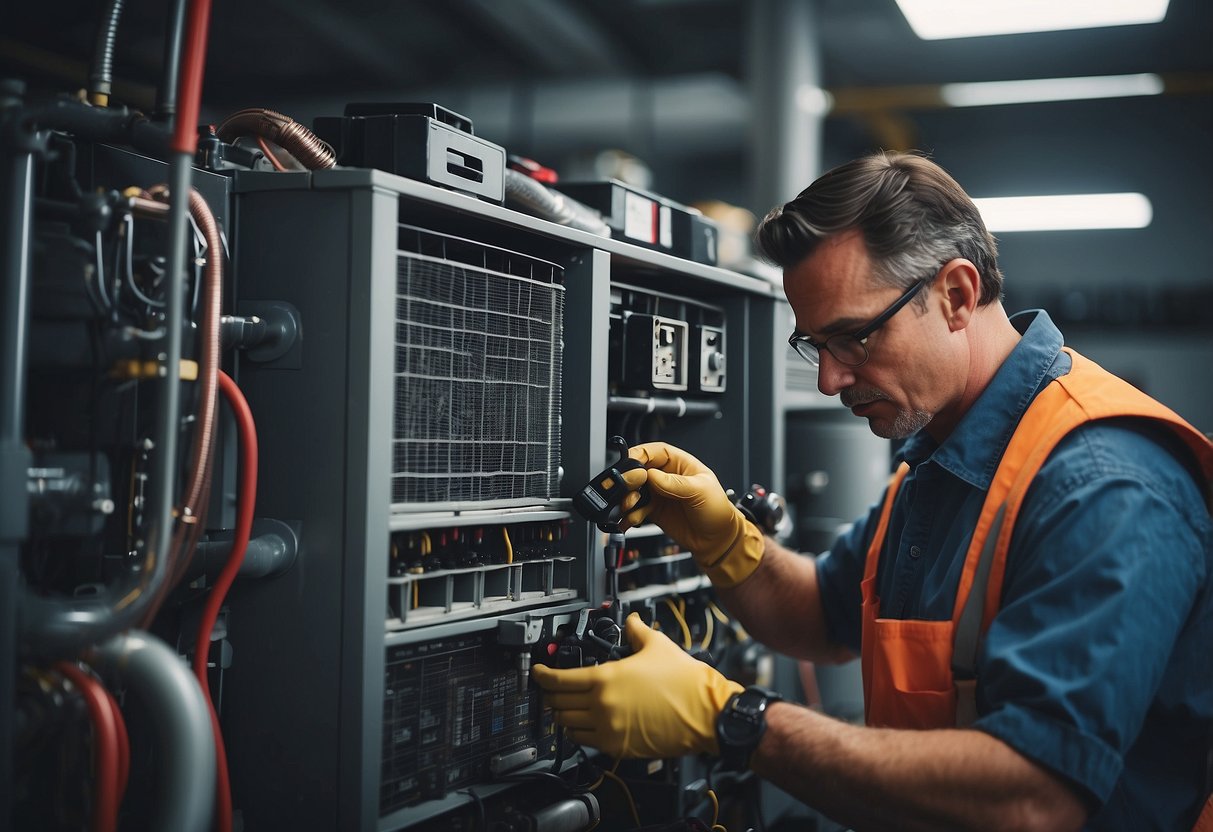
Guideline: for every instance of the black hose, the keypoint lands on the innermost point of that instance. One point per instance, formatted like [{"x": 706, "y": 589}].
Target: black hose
[
  {"x": 117, "y": 125},
  {"x": 101, "y": 77},
  {"x": 166, "y": 95}
]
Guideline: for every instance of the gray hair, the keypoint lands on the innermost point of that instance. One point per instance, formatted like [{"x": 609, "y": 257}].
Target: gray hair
[{"x": 913, "y": 216}]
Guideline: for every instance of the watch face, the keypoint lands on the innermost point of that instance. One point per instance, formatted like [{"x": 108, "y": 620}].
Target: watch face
[
  {"x": 739, "y": 730},
  {"x": 741, "y": 725},
  {"x": 743, "y": 721}
]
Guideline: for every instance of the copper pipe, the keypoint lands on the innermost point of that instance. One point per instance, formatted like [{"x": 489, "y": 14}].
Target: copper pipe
[
  {"x": 191, "y": 513},
  {"x": 269, "y": 154},
  {"x": 145, "y": 207},
  {"x": 208, "y": 334},
  {"x": 312, "y": 152}
]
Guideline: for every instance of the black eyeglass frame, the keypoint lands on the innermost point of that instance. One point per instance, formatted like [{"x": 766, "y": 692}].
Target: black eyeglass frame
[{"x": 860, "y": 336}]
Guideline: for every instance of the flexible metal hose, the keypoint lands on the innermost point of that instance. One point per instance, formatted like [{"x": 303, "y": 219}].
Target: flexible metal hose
[
  {"x": 100, "y": 79},
  {"x": 525, "y": 194},
  {"x": 312, "y": 152}
]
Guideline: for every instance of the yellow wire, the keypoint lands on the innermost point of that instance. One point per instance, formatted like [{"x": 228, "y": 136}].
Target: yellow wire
[
  {"x": 416, "y": 594},
  {"x": 716, "y": 611},
  {"x": 425, "y": 543},
  {"x": 598, "y": 782},
  {"x": 709, "y": 628},
  {"x": 509, "y": 547},
  {"x": 626, "y": 793},
  {"x": 715, "y": 807},
  {"x": 682, "y": 623}
]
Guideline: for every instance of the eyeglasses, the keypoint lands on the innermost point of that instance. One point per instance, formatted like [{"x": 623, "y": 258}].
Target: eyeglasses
[{"x": 851, "y": 348}]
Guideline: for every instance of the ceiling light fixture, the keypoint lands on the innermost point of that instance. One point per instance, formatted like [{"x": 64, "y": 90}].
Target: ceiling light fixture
[
  {"x": 986, "y": 93},
  {"x": 1066, "y": 212},
  {"x": 940, "y": 19}
]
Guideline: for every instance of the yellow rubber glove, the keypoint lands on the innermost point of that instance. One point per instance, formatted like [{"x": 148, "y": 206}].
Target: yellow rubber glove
[
  {"x": 690, "y": 505},
  {"x": 658, "y": 702}
]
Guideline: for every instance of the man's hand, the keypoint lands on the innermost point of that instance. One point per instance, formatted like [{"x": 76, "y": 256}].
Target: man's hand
[
  {"x": 691, "y": 507},
  {"x": 658, "y": 702}
]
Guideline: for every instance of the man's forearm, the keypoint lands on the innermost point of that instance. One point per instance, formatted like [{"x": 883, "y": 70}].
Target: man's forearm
[
  {"x": 875, "y": 778},
  {"x": 780, "y": 606}
]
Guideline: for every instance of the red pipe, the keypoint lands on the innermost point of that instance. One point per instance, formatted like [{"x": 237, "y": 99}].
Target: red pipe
[
  {"x": 189, "y": 85},
  {"x": 124, "y": 746},
  {"x": 105, "y": 740},
  {"x": 244, "y": 526}
]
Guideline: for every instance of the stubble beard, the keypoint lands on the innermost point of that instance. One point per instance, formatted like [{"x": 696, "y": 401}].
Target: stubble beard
[{"x": 905, "y": 423}]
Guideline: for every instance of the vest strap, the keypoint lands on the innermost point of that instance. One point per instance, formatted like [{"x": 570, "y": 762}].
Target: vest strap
[{"x": 967, "y": 637}]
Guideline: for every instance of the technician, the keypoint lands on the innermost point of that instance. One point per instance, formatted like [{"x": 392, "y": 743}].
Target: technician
[{"x": 1032, "y": 598}]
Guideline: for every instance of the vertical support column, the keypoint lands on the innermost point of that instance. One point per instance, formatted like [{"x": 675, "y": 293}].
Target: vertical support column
[
  {"x": 587, "y": 307},
  {"x": 370, "y": 373},
  {"x": 788, "y": 103},
  {"x": 765, "y": 353},
  {"x": 16, "y": 245}
]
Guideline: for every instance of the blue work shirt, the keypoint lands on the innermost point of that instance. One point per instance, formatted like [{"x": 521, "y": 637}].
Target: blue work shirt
[{"x": 1099, "y": 664}]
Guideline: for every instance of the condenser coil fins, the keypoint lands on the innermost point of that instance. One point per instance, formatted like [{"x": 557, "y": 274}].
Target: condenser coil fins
[{"x": 478, "y": 375}]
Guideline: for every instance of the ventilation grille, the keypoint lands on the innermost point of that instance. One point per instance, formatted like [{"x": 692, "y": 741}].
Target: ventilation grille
[{"x": 478, "y": 374}]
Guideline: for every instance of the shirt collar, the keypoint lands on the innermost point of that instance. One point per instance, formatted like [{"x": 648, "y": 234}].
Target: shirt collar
[{"x": 974, "y": 448}]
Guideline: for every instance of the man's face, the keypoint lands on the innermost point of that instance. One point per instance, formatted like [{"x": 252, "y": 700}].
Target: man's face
[{"x": 905, "y": 381}]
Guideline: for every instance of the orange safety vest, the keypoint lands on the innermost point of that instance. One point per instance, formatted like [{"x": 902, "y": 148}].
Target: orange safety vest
[{"x": 922, "y": 674}]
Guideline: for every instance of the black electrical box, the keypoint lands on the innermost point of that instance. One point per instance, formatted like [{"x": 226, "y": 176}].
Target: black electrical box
[
  {"x": 421, "y": 141},
  {"x": 646, "y": 219}
]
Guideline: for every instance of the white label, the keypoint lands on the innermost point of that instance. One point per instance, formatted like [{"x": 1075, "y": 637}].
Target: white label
[
  {"x": 639, "y": 218},
  {"x": 667, "y": 234}
]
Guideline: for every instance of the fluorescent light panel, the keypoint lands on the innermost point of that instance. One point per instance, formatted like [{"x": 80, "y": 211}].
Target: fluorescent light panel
[
  {"x": 940, "y": 19},
  {"x": 986, "y": 93},
  {"x": 1069, "y": 212}
]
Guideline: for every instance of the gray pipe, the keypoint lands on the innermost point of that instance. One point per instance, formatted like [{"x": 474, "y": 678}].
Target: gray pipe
[
  {"x": 181, "y": 723},
  {"x": 669, "y": 405},
  {"x": 61, "y": 628},
  {"x": 272, "y": 550}
]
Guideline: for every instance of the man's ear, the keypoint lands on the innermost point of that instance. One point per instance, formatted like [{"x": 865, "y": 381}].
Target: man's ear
[{"x": 960, "y": 287}]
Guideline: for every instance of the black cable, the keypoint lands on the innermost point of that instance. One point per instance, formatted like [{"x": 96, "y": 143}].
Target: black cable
[
  {"x": 166, "y": 94},
  {"x": 536, "y": 776},
  {"x": 101, "y": 77},
  {"x": 484, "y": 820},
  {"x": 762, "y": 823}
]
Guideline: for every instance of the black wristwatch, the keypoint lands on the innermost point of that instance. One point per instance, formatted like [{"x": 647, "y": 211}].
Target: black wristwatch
[{"x": 741, "y": 725}]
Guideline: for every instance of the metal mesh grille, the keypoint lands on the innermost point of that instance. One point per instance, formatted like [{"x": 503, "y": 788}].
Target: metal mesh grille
[{"x": 478, "y": 370}]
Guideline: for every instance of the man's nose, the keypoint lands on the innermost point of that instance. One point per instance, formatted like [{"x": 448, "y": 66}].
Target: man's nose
[{"x": 832, "y": 375}]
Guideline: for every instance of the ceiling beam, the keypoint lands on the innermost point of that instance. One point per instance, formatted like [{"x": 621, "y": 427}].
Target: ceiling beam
[{"x": 556, "y": 35}]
